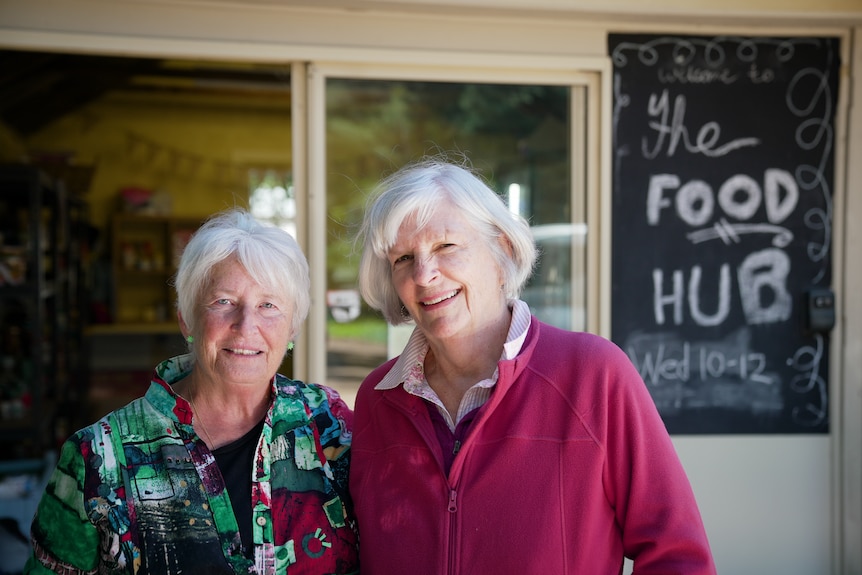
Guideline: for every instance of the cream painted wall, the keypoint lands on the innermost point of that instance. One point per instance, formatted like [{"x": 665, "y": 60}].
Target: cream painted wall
[
  {"x": 782, "y": 504},
  {"x": 634, "y": 6},
  {"x": 848, "y": 428},
  {"x": 765, "y": 500}
]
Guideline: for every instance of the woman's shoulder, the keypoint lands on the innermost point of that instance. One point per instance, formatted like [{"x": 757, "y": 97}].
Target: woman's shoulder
[
  {"x": 313, "y": 396},
  {"x": 300, "y": 390},
  {"x": 298, "y": 403},
  {"x": 555, "y": 338},
  {"x": 556, "y": 352},
  {"x": 377, "y": 374}
]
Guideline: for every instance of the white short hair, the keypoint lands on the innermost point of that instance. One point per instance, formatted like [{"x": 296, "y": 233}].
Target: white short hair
[
  {"x": 415, "y": 191},
  {"x": 269, "y": 254}
]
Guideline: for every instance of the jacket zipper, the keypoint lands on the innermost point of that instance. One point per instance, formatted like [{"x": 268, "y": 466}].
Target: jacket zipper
[
  {"x": 452, "y": 508},
  {"x": 452, "y": 505}
]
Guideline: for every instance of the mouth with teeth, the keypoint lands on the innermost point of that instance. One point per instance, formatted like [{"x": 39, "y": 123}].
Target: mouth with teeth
[
  {"x": 243, "y": 351},
  {"x": 441, "y": 298}
]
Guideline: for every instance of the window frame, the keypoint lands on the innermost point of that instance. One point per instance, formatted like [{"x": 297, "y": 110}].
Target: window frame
[{"x": 590, "y": 161}]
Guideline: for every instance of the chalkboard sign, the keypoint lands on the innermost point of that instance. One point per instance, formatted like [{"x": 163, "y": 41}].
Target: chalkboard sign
[{"x": 722, "y": 226}]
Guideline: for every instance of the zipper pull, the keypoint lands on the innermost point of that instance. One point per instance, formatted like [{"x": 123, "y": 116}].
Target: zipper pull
[
  {"x": 453, "y": 507},
  {"x": 456, "y": 448}
]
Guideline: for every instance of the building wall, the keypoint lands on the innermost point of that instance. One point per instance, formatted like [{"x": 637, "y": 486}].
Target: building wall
[{"x": 772, "y": 504}]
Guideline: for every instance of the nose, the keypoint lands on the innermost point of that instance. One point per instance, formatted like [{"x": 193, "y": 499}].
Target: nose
[
  {"x": 245, "y": 319},
  {"x": 425, "y": 270}
]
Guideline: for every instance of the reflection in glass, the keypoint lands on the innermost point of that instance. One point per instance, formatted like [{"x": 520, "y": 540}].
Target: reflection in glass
[{"x": 517, "y": 136}]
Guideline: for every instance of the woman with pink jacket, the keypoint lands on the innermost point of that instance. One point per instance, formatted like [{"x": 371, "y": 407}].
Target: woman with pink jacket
[{"x": 496, "y": 443}]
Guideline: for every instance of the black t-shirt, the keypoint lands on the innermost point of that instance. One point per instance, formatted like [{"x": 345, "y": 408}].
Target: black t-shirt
[{"x": 236, "y": 463}]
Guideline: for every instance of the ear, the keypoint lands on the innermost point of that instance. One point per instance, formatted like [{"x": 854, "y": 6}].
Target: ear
[{"x": 506, "y": 245}]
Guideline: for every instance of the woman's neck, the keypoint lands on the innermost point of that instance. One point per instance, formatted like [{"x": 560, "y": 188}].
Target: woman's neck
[
  {"x": 223, "y": 413},
  {"x": 454, "y": 365}
]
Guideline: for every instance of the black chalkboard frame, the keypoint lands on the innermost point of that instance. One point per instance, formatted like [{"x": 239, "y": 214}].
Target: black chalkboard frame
[{"x": 722, "y": 179}]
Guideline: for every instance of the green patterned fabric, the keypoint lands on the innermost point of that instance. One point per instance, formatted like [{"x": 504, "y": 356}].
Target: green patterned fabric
[{"x": 139, "y": 491}]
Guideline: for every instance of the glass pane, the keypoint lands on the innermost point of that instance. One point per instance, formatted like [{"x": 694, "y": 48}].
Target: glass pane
[
  {"x": 271, "y": 198},
  {"x": 517, "y": 136}
]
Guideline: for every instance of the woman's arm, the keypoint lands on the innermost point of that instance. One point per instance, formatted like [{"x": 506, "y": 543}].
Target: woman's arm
[{"x": 62, "y": 536}]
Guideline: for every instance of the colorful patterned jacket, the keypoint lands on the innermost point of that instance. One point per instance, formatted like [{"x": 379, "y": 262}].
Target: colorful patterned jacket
[{"x": 139, "y": 492}]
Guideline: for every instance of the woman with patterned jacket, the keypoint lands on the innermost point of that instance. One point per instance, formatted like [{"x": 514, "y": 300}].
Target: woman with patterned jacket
[{"x": 224, "y": 466}]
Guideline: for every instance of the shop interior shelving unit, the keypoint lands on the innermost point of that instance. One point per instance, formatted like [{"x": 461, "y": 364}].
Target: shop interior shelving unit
[{"x": 42, "y": 306}]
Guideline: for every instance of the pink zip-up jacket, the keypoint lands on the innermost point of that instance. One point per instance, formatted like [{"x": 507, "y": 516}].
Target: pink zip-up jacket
[{"x": 567, "y": 469}]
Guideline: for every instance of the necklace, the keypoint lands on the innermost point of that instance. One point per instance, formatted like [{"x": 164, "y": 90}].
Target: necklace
[{"x": 200, "y": 420}]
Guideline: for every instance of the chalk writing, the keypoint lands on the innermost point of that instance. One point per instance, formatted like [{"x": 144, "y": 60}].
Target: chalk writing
[
  {"x": 686, "y": 374},
  {"x": 739, "y": 196},
  {"x": 675, "y": 131},
  {"x": 695, "y": 75},
  {"x": 760, "y": 273},
  {"x": 807, "y": 361},
  {"x": 723, "y": 147}
]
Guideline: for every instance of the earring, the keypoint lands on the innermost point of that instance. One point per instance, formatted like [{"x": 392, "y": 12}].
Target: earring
[
  {"x": 290, "y": 346},
  {"x": 190, "y": 339}
]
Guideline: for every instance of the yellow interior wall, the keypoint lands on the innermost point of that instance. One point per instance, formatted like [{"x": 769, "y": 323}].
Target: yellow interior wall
[
  {"x": 196, "y": 152},
  {"x": 12, "y": 148}
]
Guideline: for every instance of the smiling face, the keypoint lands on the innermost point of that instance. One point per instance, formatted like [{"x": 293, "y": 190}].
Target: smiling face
[
  {"x": 243, "y": 329},
  {"x": 447, "y": 277}
]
